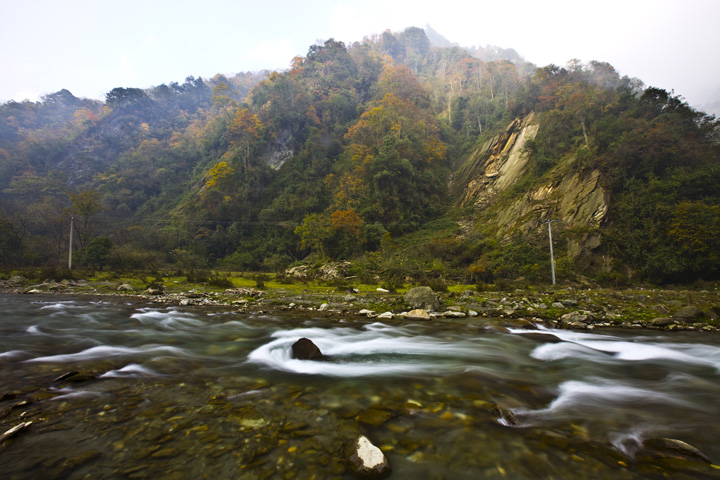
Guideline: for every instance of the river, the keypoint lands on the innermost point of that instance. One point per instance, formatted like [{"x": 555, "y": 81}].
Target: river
[{"x": 194, "y": 392}]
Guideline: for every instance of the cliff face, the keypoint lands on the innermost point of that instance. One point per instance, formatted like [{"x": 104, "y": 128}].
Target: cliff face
[{"x": 495, "y": 181}]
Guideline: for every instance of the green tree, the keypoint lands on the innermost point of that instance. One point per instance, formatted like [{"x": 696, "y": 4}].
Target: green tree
[
  {"x": 85, "y": 204},
  {"x": 314, "y": 232}
]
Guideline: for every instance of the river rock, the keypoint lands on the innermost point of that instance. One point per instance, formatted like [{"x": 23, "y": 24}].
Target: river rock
[
  {"x": 367, "y": 460},
  {"x": 418, "y": 314},
  {"x": 662, "y": 321},
  {"x": 422, "y": 297},
  {"x": 688, "y": 313},
  {"x": 576, "y": 317},
  {"x": 385, "y": 316},
  {"x": 15, "y": 430},
  {"x": 124, "y": 287},
  {"x": 305, "y": 349},
  {"x": 542, "y": 337},
  {"x": 671, "y": 446},
  {"x": 661, "y": 309}
]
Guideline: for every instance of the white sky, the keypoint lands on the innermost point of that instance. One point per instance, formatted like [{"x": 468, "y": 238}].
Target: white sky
[{"x": 92, "y": 46}]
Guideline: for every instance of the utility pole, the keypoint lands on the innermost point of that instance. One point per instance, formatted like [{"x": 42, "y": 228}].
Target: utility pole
[
  {"x": 552, "y": 260},
  {"x": 72, "y": 219}
]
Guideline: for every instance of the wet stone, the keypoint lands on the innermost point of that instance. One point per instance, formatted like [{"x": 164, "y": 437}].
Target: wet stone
[
  {"x": 305, "y": 349},
  {"x": 374, "y": 417}
]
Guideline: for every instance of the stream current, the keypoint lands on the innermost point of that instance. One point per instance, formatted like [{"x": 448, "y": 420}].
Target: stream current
[{"x": 195, "y": 392}]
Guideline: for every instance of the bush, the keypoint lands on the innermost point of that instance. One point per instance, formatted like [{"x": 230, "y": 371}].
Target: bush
[
  {"x": 56, "y": 273},
  {"x": 260, "y": 280},
  {"x": 128, "y": 257},
  {"x": 220, "y": 282}
]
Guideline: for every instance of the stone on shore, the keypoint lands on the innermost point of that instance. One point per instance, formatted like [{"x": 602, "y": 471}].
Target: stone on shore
[
  {"x": 422, "y": 297},
  {"x": 662, "y": 321},
  {"x": 688, "y": 313},
  {"x": 418, "y": 314}
]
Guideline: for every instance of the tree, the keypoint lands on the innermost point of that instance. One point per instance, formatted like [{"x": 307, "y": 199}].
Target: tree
[
  {"x": 696, "y": 229},
  {"x": 244, "y": 129},
  {"x": 314, "y": 231},
  {"x": 85, "y": 204},
  {"x": 96, "y": 253}
]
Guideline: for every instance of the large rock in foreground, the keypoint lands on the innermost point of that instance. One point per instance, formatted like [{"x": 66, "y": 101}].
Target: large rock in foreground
[
  {"x": 422, "y": 297},
  {"x": 305, "y": 349},
  {"x": 367, "y": 460}
]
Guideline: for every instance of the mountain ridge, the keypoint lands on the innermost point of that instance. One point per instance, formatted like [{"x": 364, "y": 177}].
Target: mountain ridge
[{"x": 356, "y": 151}]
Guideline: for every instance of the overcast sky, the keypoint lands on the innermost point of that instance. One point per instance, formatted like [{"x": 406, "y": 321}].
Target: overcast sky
[{"x": 92, "y": 46}]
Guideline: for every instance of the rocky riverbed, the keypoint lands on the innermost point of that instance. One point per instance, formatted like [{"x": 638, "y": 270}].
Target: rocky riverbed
[{"x": 657, "y": 309}]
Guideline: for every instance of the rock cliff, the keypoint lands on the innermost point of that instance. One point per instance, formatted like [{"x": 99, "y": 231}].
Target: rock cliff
[{"x": 497, "y": 183}]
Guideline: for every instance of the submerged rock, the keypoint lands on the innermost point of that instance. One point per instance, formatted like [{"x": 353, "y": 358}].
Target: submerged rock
[
  {"x": 367, "y": 460},
  {"x": 15, "y": 430},
  {"x": 673, "y": 447},
  {"x": 305, "y": 349},
  {"x": 374, "y": 417}
]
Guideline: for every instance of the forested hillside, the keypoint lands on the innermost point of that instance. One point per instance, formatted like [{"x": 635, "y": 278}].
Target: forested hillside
[{"x": 413, "y": 160}]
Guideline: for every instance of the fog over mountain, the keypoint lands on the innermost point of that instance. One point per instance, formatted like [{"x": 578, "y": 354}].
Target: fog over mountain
[{"x": 91, "y": 47}]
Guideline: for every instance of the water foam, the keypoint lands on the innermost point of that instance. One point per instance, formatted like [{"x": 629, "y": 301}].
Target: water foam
[
  {"x": 131, "y": 370},
  {"x": 596, "y": 347},
  {"x": 376, "y": 350},
  {"x": 105, "y": 352},
  {"x": 172, "y": 319}
]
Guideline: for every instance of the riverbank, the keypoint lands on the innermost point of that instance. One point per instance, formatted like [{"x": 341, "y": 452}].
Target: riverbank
[{"x": 578, "y": 309}]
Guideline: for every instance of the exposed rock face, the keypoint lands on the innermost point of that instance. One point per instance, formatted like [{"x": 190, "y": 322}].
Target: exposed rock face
[
  {"x": 575, "y": 196},
  {"x": 305, "y": 349},
  {"x": 498, "y": 164},
  {"x": 367, "y": 460},
  {"x": 422, "y": 297}
]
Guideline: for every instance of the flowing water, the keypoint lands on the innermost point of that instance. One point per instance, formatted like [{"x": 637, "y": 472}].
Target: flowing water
[{"x": 191, "y": 392}]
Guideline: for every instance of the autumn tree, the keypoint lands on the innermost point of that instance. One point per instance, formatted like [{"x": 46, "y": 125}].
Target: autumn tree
[{"x": 244, "y": 130}]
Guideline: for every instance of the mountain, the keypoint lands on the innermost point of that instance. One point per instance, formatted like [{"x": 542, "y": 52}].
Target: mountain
[{"x": 413, "y": 157}]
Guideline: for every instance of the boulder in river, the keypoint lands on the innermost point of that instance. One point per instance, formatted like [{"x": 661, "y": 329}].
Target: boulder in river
[
  {"x": 367, "y": 460},
  {"x": 305, "y": 349}
]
